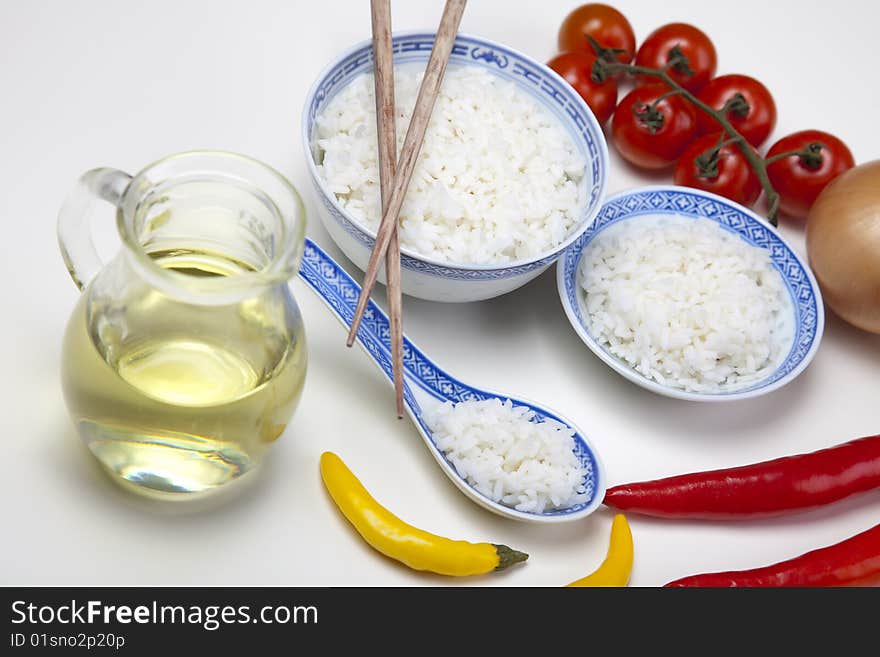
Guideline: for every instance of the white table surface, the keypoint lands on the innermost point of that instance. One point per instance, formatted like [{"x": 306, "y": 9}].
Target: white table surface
[{"x": 121, "y": 84}]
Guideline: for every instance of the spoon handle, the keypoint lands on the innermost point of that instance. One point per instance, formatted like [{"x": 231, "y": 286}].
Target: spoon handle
[{"x": 340, "y": 292}]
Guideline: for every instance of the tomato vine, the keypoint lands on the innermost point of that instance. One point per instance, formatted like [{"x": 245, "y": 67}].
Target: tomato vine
[{"x": 607, "y": 65}]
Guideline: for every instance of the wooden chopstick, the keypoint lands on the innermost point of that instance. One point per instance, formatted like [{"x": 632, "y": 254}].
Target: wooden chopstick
[
  {"x": 383, "y": 72},
  {"x": 409, "y": 154}
]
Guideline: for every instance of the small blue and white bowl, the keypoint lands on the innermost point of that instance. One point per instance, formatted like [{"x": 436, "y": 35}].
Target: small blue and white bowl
[
  {"x": 808, "y": 319},
  {"x": 434, "y": 279}
]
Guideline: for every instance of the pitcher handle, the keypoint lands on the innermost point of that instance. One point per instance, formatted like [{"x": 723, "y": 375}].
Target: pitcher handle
[{"x": 74, "y": 231}]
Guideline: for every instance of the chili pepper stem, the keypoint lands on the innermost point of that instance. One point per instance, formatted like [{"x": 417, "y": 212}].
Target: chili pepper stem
[
  {"x": 602, "y": 69},
  {"x": 508, "y": 556}
]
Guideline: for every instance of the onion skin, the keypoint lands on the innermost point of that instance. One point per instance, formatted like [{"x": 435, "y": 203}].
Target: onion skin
[{"x": 843, "y": 245}]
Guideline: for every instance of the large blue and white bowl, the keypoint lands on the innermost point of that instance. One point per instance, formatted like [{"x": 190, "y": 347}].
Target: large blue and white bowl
[
  {"x": 440, "y": 280},
  {"x": 808, "y": 315}
]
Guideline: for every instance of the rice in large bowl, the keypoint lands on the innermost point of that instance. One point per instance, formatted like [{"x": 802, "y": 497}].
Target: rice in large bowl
[
  {"x": 497, "y": 180},
  {"x": 512, "y": 170}
]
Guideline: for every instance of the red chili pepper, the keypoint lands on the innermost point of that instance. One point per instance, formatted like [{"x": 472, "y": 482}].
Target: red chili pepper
[
  {"x": 852, "y": 562},
  {"x": 762, "y": 489}
]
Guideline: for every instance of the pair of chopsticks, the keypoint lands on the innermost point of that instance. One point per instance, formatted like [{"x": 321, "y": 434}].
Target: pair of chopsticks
[{"x": 394, "y": 183}]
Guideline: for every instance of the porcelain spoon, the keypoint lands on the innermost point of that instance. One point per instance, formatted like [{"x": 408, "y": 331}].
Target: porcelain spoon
[{"x": 425, "y": 385}]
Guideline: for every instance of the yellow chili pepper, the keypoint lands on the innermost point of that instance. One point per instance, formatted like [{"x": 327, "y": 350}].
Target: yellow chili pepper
[
  {"x": 616, "y": 568},
  {"x": 394, "y": 538}
]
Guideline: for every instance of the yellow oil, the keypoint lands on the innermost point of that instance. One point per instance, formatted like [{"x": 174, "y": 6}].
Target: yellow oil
[{"x": 176, "y": 399}]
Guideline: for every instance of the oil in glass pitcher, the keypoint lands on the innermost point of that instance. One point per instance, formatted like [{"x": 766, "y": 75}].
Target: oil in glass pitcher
[{"x": 185, "y": 356}]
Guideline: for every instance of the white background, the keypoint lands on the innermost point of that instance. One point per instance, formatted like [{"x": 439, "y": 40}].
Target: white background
[{"x": 86, "y": 84}]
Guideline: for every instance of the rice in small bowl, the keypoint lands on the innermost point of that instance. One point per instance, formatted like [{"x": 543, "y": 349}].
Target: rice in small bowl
[
  {"x": 691, "y": 296},
  {"x": 512, "y": 170}
]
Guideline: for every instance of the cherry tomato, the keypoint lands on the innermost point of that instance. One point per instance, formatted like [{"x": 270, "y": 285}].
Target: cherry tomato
[
  {"x": 754, "y": 121},
  {"x": 577, "y": 68},
  {"x": 653, "y": 139},
  {"x": 605, "y": 24},
  {"x": 800, "y": 180},
  {"x": 696, "y": 46},
  {"x": 734, "y": 178}
]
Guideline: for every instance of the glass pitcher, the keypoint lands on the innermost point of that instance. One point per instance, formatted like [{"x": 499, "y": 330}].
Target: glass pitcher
[{"x": 185, "y": 357}]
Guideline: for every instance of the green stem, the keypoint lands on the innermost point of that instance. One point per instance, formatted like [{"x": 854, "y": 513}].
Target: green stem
[
  {"x": 650, "y": 115},
  {"x": 602, "y": 69},
  {"x": 668, "y": 94},
  {"x": 811, "y": 155},
  {"x": 726, "y": 142},
  {"x": 736, "y": 105},
  {"x": 707, "y": 161}
]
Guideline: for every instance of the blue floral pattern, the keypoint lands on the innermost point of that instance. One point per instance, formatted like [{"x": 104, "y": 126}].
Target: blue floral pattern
[{"x": 340, "y": 292}]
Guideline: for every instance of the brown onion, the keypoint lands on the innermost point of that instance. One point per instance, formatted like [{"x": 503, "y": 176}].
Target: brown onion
[{"x": 843, "y": 244}]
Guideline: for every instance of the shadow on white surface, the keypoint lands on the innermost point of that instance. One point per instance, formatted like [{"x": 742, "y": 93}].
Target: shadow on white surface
[{"x": 851, "y": 338}]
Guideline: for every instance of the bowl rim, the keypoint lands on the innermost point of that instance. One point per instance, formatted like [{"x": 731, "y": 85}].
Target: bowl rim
[
  {"x": 630, "y": 374},
  {"x": 542, "y": 258}
]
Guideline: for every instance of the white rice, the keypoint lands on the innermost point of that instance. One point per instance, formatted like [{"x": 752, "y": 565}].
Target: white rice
[
  {"x": 498, "y": 178},
  {"x": 686, "y": 303},
  {"x": 501, "y": 452}
]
